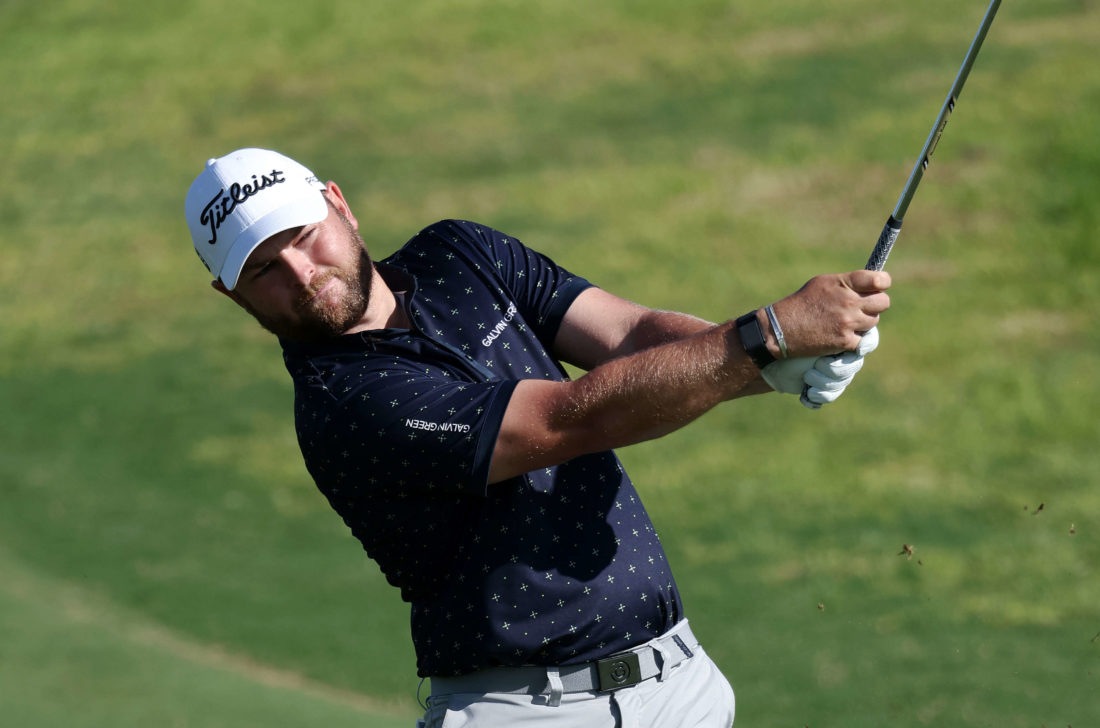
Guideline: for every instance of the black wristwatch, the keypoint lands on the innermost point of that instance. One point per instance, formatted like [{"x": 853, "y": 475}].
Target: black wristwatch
[{"x": 752, "y": 338}]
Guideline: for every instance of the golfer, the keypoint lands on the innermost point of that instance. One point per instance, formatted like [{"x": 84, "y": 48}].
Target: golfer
[{"x": 434, "y": 414}]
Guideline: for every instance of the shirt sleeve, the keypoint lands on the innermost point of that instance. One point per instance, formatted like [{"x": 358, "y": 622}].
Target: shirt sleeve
[
  {"x": 396, "y": 429},
  {"x": 402, "y": 454},
  {"x": 542, "y": 289}
]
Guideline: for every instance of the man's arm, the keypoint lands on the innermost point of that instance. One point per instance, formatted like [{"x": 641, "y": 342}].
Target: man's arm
[
  {"x": 599, "y": 327},
  {"x": 638, "y": 391}
]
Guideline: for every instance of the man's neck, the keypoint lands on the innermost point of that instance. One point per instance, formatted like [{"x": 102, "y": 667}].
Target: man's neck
[{"x": 382, "y": 312}]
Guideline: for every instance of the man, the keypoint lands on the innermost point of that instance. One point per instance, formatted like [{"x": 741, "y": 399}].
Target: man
[{"x": 433, "y": 413}]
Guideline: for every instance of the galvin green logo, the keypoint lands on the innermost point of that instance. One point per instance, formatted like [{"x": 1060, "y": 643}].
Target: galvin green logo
[
  {"x": 497, "y": 330},
  {"x": 223, "y": 203}
]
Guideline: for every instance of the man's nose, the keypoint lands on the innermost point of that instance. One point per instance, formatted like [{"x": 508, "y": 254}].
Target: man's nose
[{"x": 299, "y": 265}]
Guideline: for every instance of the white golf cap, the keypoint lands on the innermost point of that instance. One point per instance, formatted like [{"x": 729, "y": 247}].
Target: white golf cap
[{"x": 244, "y": 198}]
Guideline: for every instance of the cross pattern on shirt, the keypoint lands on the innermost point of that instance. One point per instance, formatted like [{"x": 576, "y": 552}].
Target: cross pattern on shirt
[{"x": 558, "y": 566}]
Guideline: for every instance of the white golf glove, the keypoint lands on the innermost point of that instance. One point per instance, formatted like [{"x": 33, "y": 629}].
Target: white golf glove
[{"x": 819, "y": 380}]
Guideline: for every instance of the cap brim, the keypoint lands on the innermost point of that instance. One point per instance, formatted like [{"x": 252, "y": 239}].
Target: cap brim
[{"x": 302, "y": 212}]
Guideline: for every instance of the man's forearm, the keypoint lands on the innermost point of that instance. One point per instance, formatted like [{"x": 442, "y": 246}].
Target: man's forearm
[
  {"x": 662, "y": 327},
  {"x": 622, "y": 402},
  {"x": 600, "y": 327},
  {"x": 662, "y": 387}
]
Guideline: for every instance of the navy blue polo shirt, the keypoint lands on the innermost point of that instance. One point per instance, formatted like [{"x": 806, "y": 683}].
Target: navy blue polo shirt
[{"x": 558, "y": 566}]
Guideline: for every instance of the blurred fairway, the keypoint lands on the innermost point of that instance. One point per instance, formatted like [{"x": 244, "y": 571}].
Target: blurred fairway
[{"x": 164, "y": 557}]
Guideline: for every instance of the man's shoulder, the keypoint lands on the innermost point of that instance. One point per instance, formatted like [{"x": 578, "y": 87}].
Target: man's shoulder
[
  {"x": 456, "y": 227},
  {"x": 455, "y": 234}
]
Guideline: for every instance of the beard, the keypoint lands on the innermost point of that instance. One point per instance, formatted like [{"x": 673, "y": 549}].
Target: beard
[{"x": 313, "y": 321}]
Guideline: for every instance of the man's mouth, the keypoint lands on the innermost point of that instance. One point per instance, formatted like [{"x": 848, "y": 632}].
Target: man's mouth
[
  {"x": 325, "y": 286},
  {"x": 317, "y": 292}
]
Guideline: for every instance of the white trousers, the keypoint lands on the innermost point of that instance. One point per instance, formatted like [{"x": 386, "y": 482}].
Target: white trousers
[{"x": 694, "y": 695}]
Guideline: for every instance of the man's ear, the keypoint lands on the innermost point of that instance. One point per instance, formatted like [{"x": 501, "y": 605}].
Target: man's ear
[
  {"x": 336, "y": 197},
  {"x": 217, "y": 285}
]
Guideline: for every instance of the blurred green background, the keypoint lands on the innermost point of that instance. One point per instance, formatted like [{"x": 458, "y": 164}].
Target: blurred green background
[{"x": 165, "y": 558}]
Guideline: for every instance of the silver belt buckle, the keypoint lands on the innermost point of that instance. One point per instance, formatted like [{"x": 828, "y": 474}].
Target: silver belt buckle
[{"x": 619, "y": 671}]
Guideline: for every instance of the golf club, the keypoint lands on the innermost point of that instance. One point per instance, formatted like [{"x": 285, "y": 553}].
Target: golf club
[{"x": 893, "y": 225}]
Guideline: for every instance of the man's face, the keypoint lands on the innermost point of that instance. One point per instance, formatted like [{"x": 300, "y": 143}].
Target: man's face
[{"x": 308, "y": 283}]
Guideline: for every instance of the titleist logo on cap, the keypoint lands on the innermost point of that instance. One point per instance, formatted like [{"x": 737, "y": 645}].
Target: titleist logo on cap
[{"x": 223, "y": 203}]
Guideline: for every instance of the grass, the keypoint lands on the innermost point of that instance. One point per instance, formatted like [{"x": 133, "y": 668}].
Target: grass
[
  {"x": 162, "y": 551},
  {"x": 115, "y": 667}
]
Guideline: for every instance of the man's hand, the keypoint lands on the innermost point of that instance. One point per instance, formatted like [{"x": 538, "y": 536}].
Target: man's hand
[
  {"x": 786, "y": 375},
  {"x": 829, "y": 325},
  {"x": 819, "y": 380},
  {"x": 831, "y": 375},
  {"x": 830, "y": 313}
]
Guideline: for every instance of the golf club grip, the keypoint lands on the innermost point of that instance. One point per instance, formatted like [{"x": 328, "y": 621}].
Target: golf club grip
[{"x": 886, "y": 239}]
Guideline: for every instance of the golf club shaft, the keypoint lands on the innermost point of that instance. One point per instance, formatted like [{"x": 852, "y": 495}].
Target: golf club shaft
[{"x": 893, "y": 225}]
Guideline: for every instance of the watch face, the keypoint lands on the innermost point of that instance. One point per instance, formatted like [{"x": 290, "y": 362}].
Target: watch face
[{"x": 752, "y": 338}]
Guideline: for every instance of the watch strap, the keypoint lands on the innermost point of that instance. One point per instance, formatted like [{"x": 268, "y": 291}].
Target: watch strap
[{"x": 752, "y": 338}]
